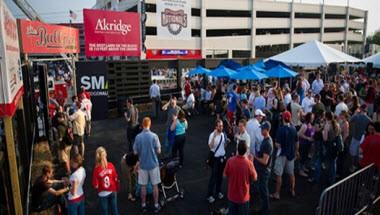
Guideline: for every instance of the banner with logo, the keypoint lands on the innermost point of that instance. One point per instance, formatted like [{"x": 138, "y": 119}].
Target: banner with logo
[
  {"x": 11, "y": 84},
  {"x": 174, "y": 19},
  {"x": 110, "y": 33},
  {"x": 93, "y": 77},
  {"x": 41, "y": 38}
]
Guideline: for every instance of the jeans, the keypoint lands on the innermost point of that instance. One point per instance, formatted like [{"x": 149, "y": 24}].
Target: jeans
[
  {"x": 178, "y": 146},
  {"x": 76, "y": 208},
  {"x": 238, "y": 209},
  {"x": 111, "y": 200},
  {"x": 263, "y": 178},
  {"x": 155, "y": 106},
  {"x": 215, "y": 182},
  {"x": 331, "y": 170}
]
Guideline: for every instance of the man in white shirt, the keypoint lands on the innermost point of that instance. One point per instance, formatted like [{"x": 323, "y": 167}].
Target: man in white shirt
[
  {"x": 87, "y": 109},
  {"x": 190, "y": 103},
  {"x": 317, "y": 85},
  {"x": 243, "y": 135},
  {"x": 341, "y": 106},
  {"x": 305, "y": 82},
  {"x": 308, "y": 103},
  {"x": 155, "y": 95},
  {"x": 254, "y": 131},
  {"x": 79, "y": 123},
  {"x": 217, "y": 142},
  {"x": 288, "y": 97}
]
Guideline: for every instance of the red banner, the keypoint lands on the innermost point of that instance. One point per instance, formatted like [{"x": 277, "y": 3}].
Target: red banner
[
  {"x": 42, "y": 38},
  {"x": 173, "y": 54},
  {"x": 110, "y": 33}
]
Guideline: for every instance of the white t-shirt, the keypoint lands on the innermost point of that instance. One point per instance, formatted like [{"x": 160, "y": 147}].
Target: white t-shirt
[
  {"x": 307, "y": 104},
  {"x": 244, "y": 136},
  {"x": 288, "y": 99},
  {"x": 77, "y": 177},
  {"x": 317, "y": 86},
  {"x": 254, "y": 132},
  {"x": 190, "y": 100},
  {"x": 87, "y": 108},
  {"x": 221, "y": 151}
]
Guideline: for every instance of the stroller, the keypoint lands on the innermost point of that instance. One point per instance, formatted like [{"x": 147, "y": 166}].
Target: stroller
[{"x": 169, "y": 185}]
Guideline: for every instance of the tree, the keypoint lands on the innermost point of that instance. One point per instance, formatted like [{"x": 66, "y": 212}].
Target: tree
[{"x": 375, "y": 38}]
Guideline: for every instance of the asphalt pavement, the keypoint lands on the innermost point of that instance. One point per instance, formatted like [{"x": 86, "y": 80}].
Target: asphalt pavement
[{"x": 193, "y": 177}]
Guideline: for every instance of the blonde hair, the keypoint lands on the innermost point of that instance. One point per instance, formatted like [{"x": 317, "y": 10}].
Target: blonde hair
[{"x": 101, "y": 157}]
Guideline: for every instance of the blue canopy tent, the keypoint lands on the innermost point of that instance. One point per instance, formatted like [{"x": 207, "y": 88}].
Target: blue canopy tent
[
  {"x": 199, "y": 70},
  {"x": 231, "y": 64},
  {"x": 269, "y": 64},
  {"x": 248, "y": 73},
  {"x": 253, "y": 67},
  {"x": 260, "y": 64},
  {"x": 222, "y": 72},
  {"x": 281, "y": 72}
]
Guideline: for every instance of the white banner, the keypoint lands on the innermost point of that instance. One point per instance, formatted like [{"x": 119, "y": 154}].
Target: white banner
[
  {"x": 10, "y": 64},
  {"x": 173, "y": 19}
]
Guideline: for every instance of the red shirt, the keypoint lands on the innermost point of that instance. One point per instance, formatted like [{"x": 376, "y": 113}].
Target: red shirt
[
  {"x": 105, "y": 179},
  {"x": 239, "y": 172},
  {"x": 187, "y": 88},
  {"x": 371, "y": 151}
]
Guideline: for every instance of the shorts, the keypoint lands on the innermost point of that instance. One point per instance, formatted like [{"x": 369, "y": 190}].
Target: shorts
[
  {"x": 152, "y": 176},
  {"x": 282, "y": 163},
  {"x": 77, "y": 140},
  {"x": 354, "y": 147}
]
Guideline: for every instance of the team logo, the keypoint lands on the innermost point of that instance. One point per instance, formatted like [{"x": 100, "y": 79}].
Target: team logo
[{"x": 174, "y": 20}]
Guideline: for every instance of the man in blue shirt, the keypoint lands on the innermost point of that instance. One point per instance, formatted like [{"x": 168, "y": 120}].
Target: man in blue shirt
[
  {"x": 287, "y": 148},
  {"x": 259, "y": 102},
  {"x": 233, "y": 102},
  {"x": 147, "y": 146}
]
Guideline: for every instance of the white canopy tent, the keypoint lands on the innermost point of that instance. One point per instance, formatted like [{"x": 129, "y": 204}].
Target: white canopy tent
[
  {"x": 313, "y": 54},
  {"x": 374, "y": 59}
]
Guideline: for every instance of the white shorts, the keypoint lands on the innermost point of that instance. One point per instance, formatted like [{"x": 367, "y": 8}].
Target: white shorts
[
  {"x": 282, "y": 163},
  {"x": 152, "y": 176}
]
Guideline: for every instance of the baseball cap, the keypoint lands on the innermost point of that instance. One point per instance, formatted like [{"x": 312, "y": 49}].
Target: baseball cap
[
  {"x": 258, "y": 112},
  {"x": 265, "y": 125},
  {"x": 287, "y": 116}
]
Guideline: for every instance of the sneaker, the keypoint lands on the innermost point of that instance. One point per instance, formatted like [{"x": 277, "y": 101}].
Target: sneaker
[
  {"x": 220, "y": 196},
  {"x": 157, "y": 209},
  {"x": 210, "y": 199},
  {"x": 144, "y": 209}
]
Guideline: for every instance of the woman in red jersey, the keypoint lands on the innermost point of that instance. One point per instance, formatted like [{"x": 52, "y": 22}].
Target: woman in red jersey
[{"x": 105, "y": 181}]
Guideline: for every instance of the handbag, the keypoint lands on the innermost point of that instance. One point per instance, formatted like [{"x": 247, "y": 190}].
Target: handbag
[{"x": 211, "y": 154}]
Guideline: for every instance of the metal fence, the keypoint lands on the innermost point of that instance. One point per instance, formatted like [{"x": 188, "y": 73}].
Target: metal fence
[{"x": 352, "y": 195}]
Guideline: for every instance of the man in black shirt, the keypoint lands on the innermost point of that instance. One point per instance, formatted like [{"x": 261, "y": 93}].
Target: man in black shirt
[{"x": 262, "y": 164}]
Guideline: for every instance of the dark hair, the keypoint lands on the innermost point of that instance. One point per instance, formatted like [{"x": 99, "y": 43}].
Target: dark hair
[
  {"x": 308, "y": 117},
  {"x": 73, "y": 98},
  {"x": 245, "y": 101},
  {"x": 181, "y": 115},
  {"x": 234, "y": 87},
  {"x": 78, "y": 159},
  {"x": 242, "y": 147},
  {"x": 154, "y": 81},
  {"x": 330, "y": 117},
  {"x": 340, "y": 97},
  {"x": 217, "y": 122},
  {"x": 243, "y": 121},
  {"x": 47, "y": 169}
]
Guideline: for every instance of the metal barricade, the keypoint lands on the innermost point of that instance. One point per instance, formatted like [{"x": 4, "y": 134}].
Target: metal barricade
[{"x": 352, "y": 195}]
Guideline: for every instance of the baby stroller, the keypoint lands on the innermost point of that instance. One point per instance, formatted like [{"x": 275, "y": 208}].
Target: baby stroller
[{"x": 169, "y": 185}]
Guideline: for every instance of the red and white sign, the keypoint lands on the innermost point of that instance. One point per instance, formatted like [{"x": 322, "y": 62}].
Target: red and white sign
[
  {"x": 110, "y": 33},
  {"x": 173, "y": 54},
  {"x": 41, "y": 38},
  {"x": 11, "y": 84}
]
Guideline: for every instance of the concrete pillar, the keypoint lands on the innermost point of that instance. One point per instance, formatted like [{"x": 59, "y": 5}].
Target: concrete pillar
[
  {"x": 203, "y": 28},
  {"x": 253, "y": 29},
  {"x": 364, "y": 33},
  {"x": 346, "y": 29},
  {"x": 230, "y": 54},
  {"x": 322, "y": 31},
  {"x": 291, "y": 33}
]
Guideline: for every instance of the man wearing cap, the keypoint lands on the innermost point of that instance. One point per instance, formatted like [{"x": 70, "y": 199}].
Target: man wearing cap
[
  {"x": 262, "y": 162},
  {"x": 287, "y": 149},
  {"x": 254, "y": 131},
  {"x": 358, "y": 124}
]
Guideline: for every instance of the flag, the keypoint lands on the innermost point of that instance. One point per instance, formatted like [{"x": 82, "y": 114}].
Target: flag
[{"x": 73, "y": 15}]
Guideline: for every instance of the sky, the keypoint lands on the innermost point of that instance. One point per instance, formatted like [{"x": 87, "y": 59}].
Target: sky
[{"x": 57, "y": 11}]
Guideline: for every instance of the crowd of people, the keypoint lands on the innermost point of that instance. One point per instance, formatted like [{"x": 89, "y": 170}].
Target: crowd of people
[{"x": 309, "y": 126}]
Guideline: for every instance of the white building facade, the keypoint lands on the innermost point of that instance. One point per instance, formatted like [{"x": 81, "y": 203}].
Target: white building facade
[{"x": 254, "y": 28}]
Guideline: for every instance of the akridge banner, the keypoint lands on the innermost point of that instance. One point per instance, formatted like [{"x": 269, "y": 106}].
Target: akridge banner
[
  {"x": 110, "y": 33},
  {"x": 93, "y": 77},
  {"x": 41, "y": 38},
  {"x": 173, "y": 19},
  {"x": 11, "y": 84}
]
